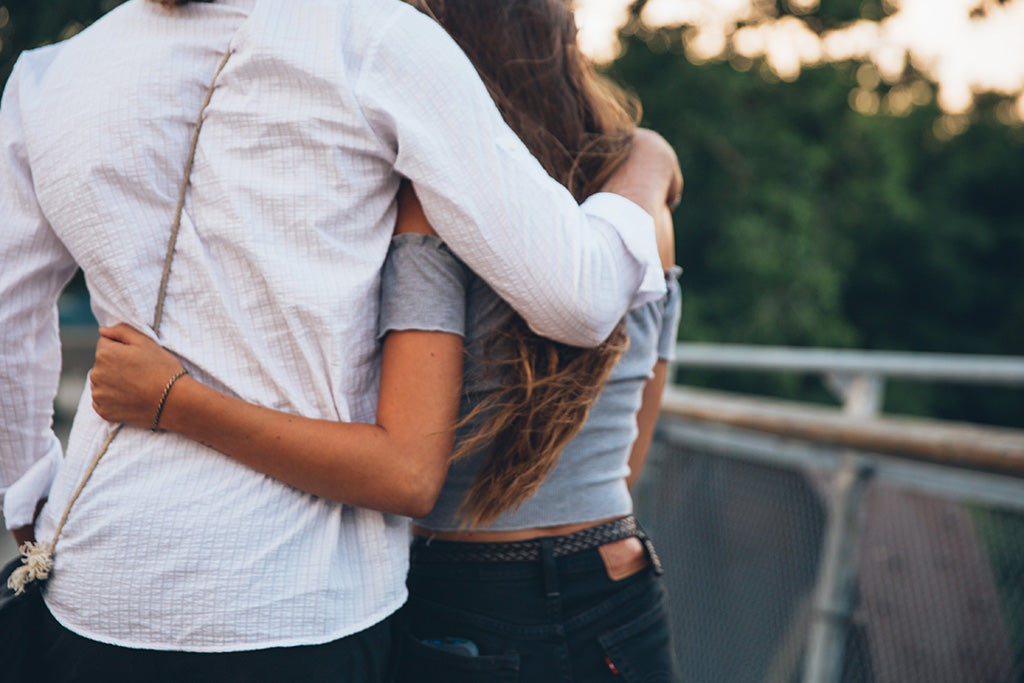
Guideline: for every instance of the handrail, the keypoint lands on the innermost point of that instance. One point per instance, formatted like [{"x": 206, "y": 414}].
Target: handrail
[
  {"x": 974, "y": 369},
  {"x": 996, "y": 449},
  {"x": 867, "y": 445}
]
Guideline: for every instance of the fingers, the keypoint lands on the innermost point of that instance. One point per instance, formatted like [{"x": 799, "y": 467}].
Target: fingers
[
  {"x": 656, "y": 145},
  {"x": 675, "y": 188},
  {"x": 105, "y": 347},
  {"x": 123, "y": 333},
  {"x": 113, "y": 333},
  {"x": 650, "y": 175},
  {"x": 664, "y": 233}
]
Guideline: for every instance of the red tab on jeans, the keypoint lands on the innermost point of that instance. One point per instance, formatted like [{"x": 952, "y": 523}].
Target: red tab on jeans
[{"x": 611, "y": 666}]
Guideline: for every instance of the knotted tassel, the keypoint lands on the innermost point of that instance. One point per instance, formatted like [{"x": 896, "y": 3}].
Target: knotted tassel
[{"x": 37, "y": 561}]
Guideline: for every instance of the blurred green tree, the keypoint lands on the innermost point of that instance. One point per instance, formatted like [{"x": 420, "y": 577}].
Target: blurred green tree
[{"x": 804, "y": 222}]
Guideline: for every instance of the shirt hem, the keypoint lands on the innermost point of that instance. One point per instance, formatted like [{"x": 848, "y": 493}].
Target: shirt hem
[
  {"x": 359, "y": 626},
  {"x": 21, "y": 498}
]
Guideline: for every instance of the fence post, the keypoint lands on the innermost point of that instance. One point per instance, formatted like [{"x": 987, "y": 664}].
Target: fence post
[
  {"x": 835, "y": 594},
  {"x": 861, "y": 394}
]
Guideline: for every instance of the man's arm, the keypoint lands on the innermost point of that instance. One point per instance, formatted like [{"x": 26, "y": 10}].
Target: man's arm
[
  {"x": 650, "y": 177},
  {"x": 35, "y": 269},
  {"x": 570, "y": 271}
]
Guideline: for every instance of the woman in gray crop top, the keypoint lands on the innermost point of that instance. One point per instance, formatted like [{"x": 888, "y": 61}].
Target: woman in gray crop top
[
  {"x": 479, "y": 603},
  {"x": 426, "y": 287},
  {"x": 526, "y": 561}
]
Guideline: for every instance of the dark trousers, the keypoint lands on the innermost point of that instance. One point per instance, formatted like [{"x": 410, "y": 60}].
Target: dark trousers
[
  {"x": 69, "y": 658},
  {"x": 556, "y": 619}
]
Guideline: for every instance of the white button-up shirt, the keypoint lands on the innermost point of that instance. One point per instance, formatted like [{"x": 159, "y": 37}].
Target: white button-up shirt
[{"x": 322, "y": 107}]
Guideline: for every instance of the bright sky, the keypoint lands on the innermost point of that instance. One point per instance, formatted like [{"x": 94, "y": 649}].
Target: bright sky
[{"x": 963, "y": 55}]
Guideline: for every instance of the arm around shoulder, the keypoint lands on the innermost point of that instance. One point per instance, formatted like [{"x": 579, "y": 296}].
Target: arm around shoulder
[
  {"x": 571, "y": 273},
  {"x": 651, "y": 176}
]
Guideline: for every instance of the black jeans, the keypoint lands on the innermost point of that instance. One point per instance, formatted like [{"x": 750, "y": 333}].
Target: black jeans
[
  {"x": 558, "y": 619},
  {"x": 366, "y": 656}
]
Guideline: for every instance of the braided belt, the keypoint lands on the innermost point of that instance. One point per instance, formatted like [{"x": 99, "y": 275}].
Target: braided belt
[{"x": 526, "y": 551}]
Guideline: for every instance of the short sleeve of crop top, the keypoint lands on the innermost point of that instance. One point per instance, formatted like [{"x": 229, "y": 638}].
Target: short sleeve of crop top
[{"x": 423, "y": 287}]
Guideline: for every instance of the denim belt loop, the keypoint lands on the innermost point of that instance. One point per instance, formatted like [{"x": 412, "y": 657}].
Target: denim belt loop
[
  {"x": 652, "y": 554},
  {"x": 547, "y": 558}
]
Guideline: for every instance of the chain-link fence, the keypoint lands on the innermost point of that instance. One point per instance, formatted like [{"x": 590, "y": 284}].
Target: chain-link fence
[{"x": 939, "y": 577}]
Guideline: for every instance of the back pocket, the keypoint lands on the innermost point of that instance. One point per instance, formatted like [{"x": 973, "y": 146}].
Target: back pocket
[{"x": 641, "y": 650}]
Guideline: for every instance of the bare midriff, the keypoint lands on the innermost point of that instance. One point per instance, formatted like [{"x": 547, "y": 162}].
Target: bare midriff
[{"x": 472, "y": 536}]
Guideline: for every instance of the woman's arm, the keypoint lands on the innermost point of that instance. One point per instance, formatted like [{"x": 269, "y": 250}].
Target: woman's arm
[
  {"x": 646, "y": 419},
  {"x": 396, "y": 465},
  {"x": 650, "y": 403}
]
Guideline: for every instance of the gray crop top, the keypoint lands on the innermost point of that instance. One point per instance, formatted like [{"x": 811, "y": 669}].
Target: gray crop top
[{"x": 426, "y": 287}]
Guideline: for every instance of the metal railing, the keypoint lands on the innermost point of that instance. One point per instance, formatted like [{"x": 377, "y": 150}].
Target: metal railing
[
  {"x": 857, "y": 377},
  {"x": 858, "y": 447}
]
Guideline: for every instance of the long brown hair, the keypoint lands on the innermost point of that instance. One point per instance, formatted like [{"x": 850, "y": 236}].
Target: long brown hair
[{"x": 579, "y": 125}]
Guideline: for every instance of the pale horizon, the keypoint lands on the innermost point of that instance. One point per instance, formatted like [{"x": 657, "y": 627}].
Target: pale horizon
[{"x": 965, "y": 47}]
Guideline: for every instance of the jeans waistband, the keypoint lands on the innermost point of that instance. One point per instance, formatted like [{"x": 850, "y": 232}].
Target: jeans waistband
[{"x": 426, "y": 550}]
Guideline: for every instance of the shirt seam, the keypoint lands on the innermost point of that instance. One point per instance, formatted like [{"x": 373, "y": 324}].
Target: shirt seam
[{"x": 371, "y": 55}]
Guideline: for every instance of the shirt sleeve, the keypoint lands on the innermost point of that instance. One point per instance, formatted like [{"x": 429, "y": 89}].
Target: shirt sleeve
[
  {"x": 423, "y": 287},
  {"x": 670, "y": 317},
  {"x": 36, "y": 268},
  {"x": 570, "y": 271}
]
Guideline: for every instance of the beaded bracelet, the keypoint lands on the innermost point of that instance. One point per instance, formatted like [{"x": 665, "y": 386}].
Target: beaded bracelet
[{"x": 163, "y": 399}]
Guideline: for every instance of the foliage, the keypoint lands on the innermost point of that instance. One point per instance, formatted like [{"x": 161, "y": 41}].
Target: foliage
[{"x": 806, "y": 223}]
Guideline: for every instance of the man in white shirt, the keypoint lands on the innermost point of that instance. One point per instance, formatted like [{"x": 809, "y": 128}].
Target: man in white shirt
[{"x": 175, "y": 560}]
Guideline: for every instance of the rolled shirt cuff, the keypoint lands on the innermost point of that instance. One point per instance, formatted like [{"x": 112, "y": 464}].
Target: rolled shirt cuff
[
  {"x": 21, "y": 497},
  {"x": 635, "y": 228}
]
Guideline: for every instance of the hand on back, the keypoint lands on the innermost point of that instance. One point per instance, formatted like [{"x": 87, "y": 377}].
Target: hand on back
[
  {"x": 129, "y": 376},
  {"x": 651, "y": 178}
]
